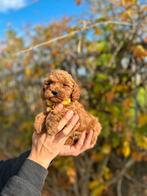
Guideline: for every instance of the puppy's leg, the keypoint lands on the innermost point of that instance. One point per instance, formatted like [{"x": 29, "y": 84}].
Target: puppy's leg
[
  {"x": 39, "y": 122},
  {"x": 97, "y": 129},
  {"x": 74, "y": 136}
]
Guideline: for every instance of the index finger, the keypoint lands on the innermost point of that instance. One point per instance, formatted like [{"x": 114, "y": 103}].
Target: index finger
[
  {"x": 63, "y": 135},
  {"x": 65, "y": 120}
]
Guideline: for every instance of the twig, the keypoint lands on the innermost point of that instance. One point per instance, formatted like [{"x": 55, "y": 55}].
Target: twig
[
  {"x": 140, "y": 184},
  {"x": 121, "y": 44},
  {"x": 121, "y": 173},
  {"x": 116, "y": 53},
  {"x": 104, "y": 164},
  {"x": 119, "y": 192},
  {"x": 72, "y": 33}
]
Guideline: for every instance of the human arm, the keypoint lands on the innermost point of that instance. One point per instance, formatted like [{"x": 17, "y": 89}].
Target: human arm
[
  {"x": 30, "y": 179},
  {"x": 10, "y": 167}
]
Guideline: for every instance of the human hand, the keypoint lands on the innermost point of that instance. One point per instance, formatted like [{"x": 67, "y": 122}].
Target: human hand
[
  {"x": 46, "y": 147},
  {"x": 83, "y": 144}
]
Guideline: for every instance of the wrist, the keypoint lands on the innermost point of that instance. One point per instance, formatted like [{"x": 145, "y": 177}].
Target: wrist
[{"x": 43, "y": 163}]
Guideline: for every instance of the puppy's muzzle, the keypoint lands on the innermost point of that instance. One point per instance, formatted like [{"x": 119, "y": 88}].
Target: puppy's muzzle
[{"x": 56, "y": 93}]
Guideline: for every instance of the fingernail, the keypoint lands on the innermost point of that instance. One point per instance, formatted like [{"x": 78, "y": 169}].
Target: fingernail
[
  {"x": 59, "y": 106},
  {"x": 78, "y": 124},
  {"x": 70, "y": 113},
  {"x": 77, "y": 116}
]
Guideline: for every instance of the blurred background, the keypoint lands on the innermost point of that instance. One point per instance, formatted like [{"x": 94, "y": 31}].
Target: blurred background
[{"x": 103, "y": 44}]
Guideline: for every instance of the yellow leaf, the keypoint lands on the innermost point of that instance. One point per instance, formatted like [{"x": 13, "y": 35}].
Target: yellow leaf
[
  {"x": 143, "y": 144},
  {"x": 10, "y": 96},
  {"x": 98, "y": 190},
  {"x": 55, "y": 53},
  {"x": 121, "y": 87},
  {"x": 28, "y": 71},
  {"x": 137, "y": 156},
  {"x": 72, "y": 175},
  {"x": 141, "y": 141},
  {"x": 139, "y": 51},
  {"x": 126, "y": 149},
  {"x": 107, "y": 173},
  {"x": 97, "y": 31},
  {"x": 128, "y": 2},
  {"x": 127, "y": 103},
  {"x": 144, "y": 8},
  {"x": 110, "y": 96},
  {"x": 123, "y": 2},
  {"x": 93, "y": 184},
  {"x": 97, "y": 157},
  {"x": 106, "y": 148},
  {"x": 142, "y": 120}
]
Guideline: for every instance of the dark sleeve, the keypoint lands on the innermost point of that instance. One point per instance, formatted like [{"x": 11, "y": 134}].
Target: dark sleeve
[
  {"x": 11, "y": 167},
  {"x": 28, "y": 182}
]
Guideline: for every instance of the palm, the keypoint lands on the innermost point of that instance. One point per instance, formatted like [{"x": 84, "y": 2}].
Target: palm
[
  {"x": 68, "y": 150},
  {"x": 83, "y": 144}
]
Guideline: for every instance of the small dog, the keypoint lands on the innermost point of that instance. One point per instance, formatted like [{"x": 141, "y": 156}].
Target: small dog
[{"x": 60, "y": 87}]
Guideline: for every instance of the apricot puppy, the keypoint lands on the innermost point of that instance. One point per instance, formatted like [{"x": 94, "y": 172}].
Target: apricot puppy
[{"x": 60, "y": 87}]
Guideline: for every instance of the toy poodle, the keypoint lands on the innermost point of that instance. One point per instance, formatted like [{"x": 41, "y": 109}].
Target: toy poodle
[{"x": 60, "y": 87}]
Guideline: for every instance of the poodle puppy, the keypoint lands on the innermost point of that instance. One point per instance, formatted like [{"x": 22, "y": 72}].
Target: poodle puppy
[{"x": 60, "y": 87}]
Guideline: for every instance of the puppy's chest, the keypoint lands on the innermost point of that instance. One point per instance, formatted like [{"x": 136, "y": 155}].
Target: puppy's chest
[{"x": 84, "y": 117}]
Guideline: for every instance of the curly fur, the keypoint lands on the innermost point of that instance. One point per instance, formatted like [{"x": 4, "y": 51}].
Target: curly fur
[{"x": 64, "y": 87}]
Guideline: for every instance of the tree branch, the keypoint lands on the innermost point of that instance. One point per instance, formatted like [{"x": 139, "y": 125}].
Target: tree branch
[
  {"x": 137, "y": 183},
  {"x": 86, "y": 27},
  {"x": 121, "y": 173}
]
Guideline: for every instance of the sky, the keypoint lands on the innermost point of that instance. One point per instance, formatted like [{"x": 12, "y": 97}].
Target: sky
[{"x": 18, "y": 13}]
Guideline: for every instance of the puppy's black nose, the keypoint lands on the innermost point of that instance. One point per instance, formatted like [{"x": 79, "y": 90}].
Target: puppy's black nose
[{"x": 55, "y": 92}]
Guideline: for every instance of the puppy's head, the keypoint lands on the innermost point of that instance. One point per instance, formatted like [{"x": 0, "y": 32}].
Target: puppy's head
[{"x": 59, "y": 86}]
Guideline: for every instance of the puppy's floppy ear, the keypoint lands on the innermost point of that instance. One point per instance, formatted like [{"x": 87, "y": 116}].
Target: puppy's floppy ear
[
  {"x": 44, "y": 85},
  {"x": 42, "y": 92},
  {"x": 75, "y": 95}
]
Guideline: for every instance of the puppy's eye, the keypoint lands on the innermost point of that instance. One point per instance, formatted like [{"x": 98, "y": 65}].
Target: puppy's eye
[
  {"x": 65, "y": 85},
  {"x": 49, "y": 82}
]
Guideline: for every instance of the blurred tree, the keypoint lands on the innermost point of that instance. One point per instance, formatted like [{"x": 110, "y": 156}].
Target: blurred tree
[{"x": 110, "y": 62}]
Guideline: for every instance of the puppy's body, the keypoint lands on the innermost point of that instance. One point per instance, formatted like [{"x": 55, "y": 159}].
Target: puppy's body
[
  {"x": 58, "y": 87},
  {"x": 87, "y": 122}
]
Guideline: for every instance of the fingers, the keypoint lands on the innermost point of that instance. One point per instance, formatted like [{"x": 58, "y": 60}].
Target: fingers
[
  {"x": 71, "y": 125},
  {"x": 65, "y": 119},
  {"x": 59, "y": 107},
  {"x": 63, "y": 135},
  {"x": 84, "y": 143},
  {"x": 77, "y": 126},
  {"x": 80, "y": 142},
  {"x": 88, "y": 140}
]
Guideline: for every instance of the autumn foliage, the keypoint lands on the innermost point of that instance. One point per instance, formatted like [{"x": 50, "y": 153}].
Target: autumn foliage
[{"x": 110, "y": 62}]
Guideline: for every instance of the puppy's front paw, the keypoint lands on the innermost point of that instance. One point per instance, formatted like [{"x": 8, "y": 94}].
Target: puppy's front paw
[{"x": 39, "y": 122}]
